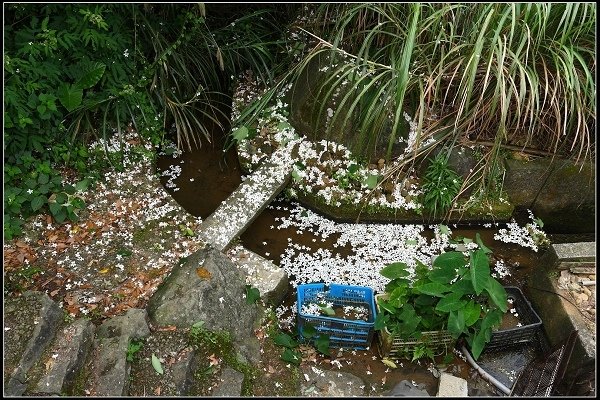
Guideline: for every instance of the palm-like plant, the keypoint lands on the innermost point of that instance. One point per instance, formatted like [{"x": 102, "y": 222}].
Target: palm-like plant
[{"x": 503, "y": 74}]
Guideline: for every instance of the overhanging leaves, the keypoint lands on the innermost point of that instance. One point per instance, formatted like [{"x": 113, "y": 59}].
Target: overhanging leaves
[{"x": 480, "y": 270}]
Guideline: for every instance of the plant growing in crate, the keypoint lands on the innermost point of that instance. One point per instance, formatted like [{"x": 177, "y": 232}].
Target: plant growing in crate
[{"x": 457, "y": 295}]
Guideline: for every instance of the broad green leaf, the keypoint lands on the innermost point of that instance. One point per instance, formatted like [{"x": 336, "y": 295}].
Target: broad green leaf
[
  {"x": 70, "y": 97},
  {"x": 398, "y": 294},
  {"x": 444, "y": 230},
  {"x": 467, "y": 240},
  {"x": 296, "y": 175},
  {"x": 291, "y": 356},
  {"x": 327, "y": 310},
  {"x": 156, "y": 364},
  {"x": 478, "y": 344},
  {"x": 463, "y": 286},
  {"x": 82, "y": 185},
  {"x": 425, "y": 300},
  {"x": 381, "y": 321},
  {"x": 283, "y": 125},
  {"x": 353, "y": 168},
  {"x": 240, "y": 133},
  {"x": 61, "y": 198},
  {"x": 492, "y": 319},
  {"x": 433, "y": 289},
  {"x": 371, "y": 181},
  {"x": 480, "y": 270},
  {"x": 395, "y": 270},
  {"x": 283, "y": 339},
  {"x": 451, "y": 302},
  {"x": 43, "y": 179},
  {"x": 37, "y": 202},
  {"x": 456, "y": 323},
  {"x": 91, "y": 77},
  {"x": 472, "y": 312},
  {"x": 309, "y": 331},
  {"x": 497, "y": 294},
  {"x": 395, "y": 283},
  {"x": 442, "y": 274},
  {"x": 483, "y": 247},
  {"x": 54, "y": 208},
  {"x": 384, "y": 304},
  {"x": 252, "y": 294},
  {"x": 322, "y": 344},
  {"x": 454, "y": 259}
]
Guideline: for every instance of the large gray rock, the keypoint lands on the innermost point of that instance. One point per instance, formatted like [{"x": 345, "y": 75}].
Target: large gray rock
[
  {"x": 110, "y": 370},
  {"x": 559, "y": 192},
  {"x": 406, "y": 388},
  {"x": 230, "y": 384},
  {"x": 30, "y": 324},
  {"x": 66, "y": 357},
  {"x": 208, "y": 287}
]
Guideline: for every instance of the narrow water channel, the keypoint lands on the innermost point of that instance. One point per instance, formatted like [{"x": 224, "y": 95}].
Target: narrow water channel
[{"x": 208, "y": 176}]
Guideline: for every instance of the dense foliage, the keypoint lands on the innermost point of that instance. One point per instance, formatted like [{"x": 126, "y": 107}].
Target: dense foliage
[
  {"x": 520, "y": 75},
  {"x": 78, "y": 72}
]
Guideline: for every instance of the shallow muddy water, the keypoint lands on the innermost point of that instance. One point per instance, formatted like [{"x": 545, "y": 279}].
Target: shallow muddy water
[{"x": 208, "y": 176}]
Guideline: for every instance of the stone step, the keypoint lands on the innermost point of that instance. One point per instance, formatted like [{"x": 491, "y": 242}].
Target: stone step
[
  {"x": 65, "y": 358},
  {"x": 108, "y": 371},
  {"x": 238, "y": 211},
  {"x": 582, "y": 251},
  {"x": 452, "y": 386},
  {"x": 177, "y": 358},
  {"x": 271, "y": 280},
  {"x": 30, "y": 325}
]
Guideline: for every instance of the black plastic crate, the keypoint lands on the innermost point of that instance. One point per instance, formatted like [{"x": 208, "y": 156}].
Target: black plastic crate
[{"x": 508, "y": 338}]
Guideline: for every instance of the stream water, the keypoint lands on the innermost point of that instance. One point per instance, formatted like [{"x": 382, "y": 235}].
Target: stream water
[{"x": 208, "y": 176}]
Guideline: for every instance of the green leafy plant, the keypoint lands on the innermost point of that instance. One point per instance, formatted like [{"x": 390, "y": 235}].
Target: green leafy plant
[
  {"x": 310, "y": 333},
  {"x": 133, "y": 347},
  {"x": 457, "y": 294},
  {"x": 440, "y": 185},
  {"x": 252, "y": 294}
]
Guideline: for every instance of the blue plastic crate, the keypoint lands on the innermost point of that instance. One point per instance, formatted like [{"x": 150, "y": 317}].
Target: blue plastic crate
[{"x": 346, "y": 333}]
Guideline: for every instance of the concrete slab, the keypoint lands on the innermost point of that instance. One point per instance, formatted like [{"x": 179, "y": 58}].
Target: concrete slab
[
  {"x": 582, "y": 251},
  {"x": 238, "y": 211},
  {"x": 452, "y": 386}
]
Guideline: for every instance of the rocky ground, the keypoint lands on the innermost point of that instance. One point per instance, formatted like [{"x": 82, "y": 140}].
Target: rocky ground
[{"x": 580, "y": 283}]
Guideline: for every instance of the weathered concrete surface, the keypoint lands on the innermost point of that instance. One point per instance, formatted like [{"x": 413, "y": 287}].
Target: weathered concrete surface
[
  {"x": 30, "y": 324},
  {"x": 66, "y": 357},
  {"x": 110, "y": 370},
  {"x": 238, "y": 211},
  {"x": 271, "y": 280},
  {"x": 452, "y": 386},
  {"x": 559, "y": 315},
  {"x": 230, "y": 385},
  {"x": 208, "y": 287},
  {"x": 322, "y": 383},
  {"x": 559, "y": 192},
  {"x": 582, "y": 251}
]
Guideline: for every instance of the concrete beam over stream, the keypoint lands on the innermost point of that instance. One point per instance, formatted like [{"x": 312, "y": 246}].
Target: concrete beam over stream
[{"x": 237, "y": 212}]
